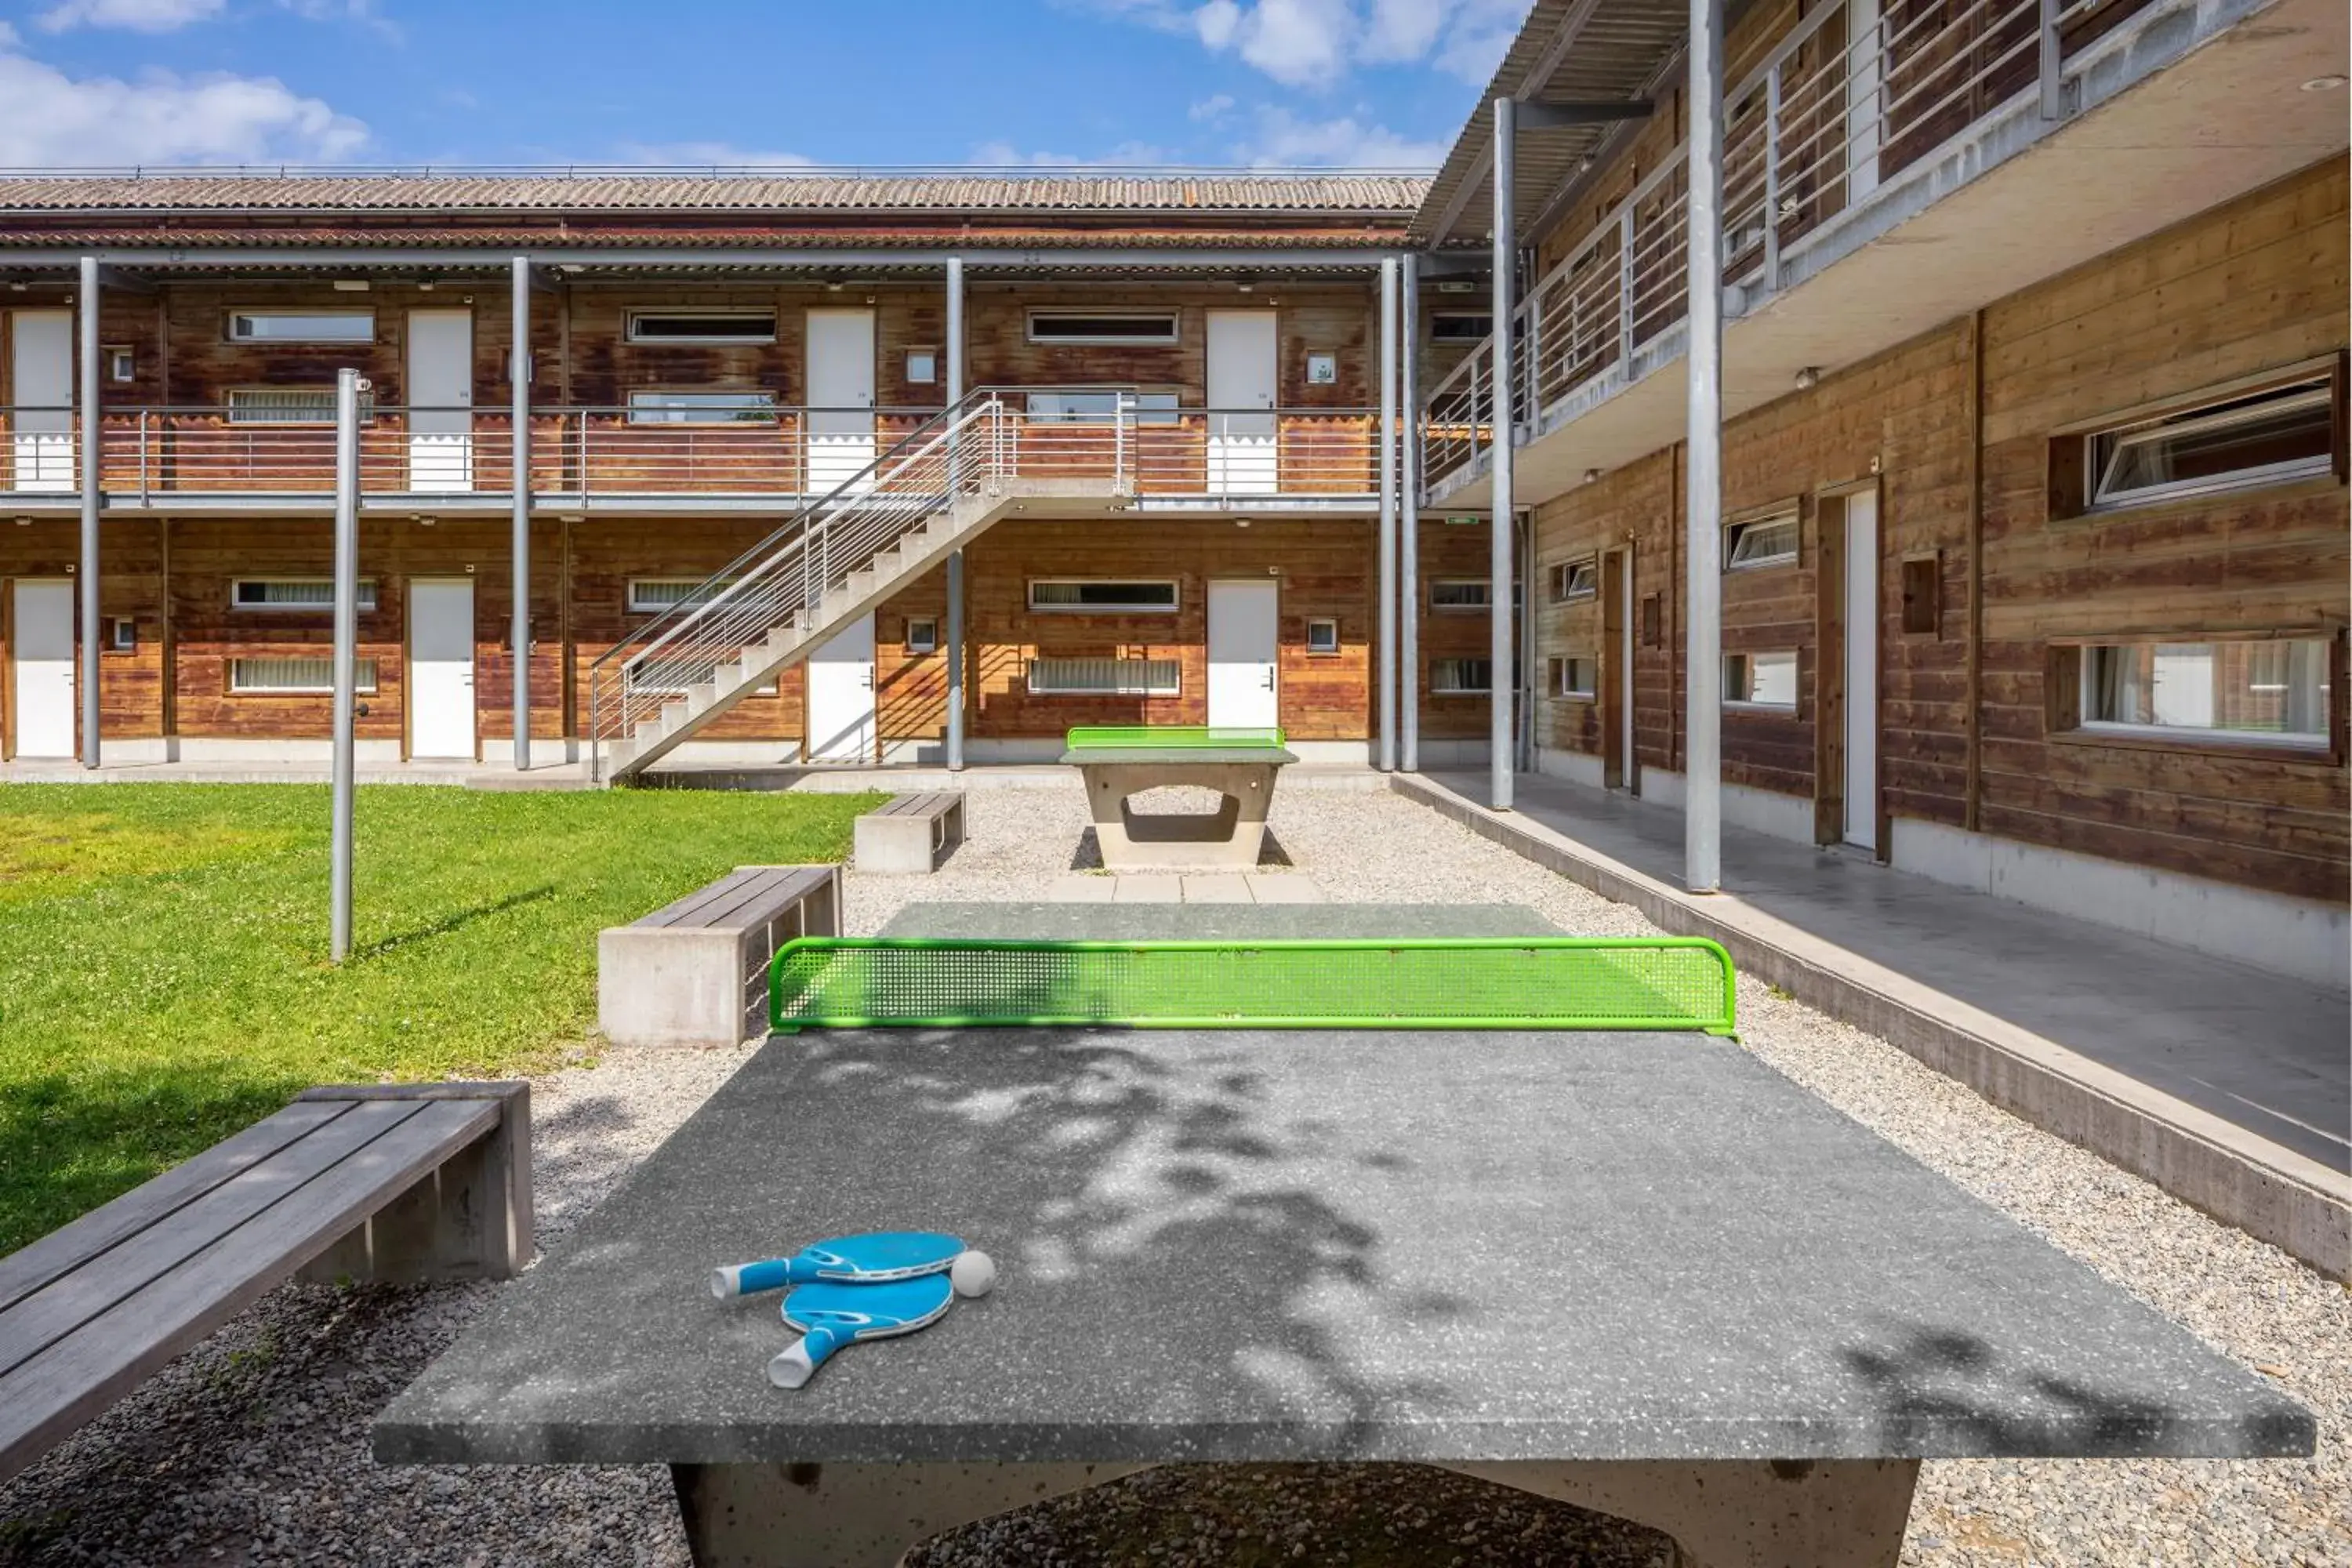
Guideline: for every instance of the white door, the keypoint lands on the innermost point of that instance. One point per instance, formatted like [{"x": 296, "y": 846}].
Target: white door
[
  {"x": 841, "y": 695},
  {"x": 40, "y": 395},
  {"x": 1862, "y": 669},
  {"x": 1241, "y": 693},
  {"x": 42, "y": 694},
  {"x": 1865, "y": 101},
  {"x": 441, "y": 668},
  {"x": 440, "y": 401},
  {"x": 1242, "y": 360},
  {"x": 840, "y": 396}
]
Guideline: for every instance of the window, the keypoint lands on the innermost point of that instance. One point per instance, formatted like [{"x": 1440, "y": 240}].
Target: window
[
  {"x": 702, "y": 408},
  {"x": 1461, "y": 327},
  {"x": 289, "y": 405},
  {"x": 2262, "y": 691},
  {"x": 715, "y": 324},
  {"x": 1461, "y": 676},
  {"x": 1575, "y": 677},
  {"x": 1081, "y": 408},
  {"x": 1572, "y": 579},
  {"x": 2261, "y": 438},
  {"x": 1322, "y": 369},
  {"x": 302, "y": 326},
  {"x": 295, "y": 675},
  {"x": 652, "y": 596},
  {"x": 1091, "y": 596},
  {"x": 922, "y": 366},
  {"x": 1766, "y": 542},
  {"x": 124, "y": 634},
  {"x": 923, "y": 636},
  {"x": 1102, "y": 326},
  {"x": 294, "y": 593},
  {"x": 1104, "y": 676},
  {"x": 1323, "y": 637},
  {"x": 1460, "y": 593},
  {"x": 122, "y": 364},
  {"x": 1759, "y": 681}
]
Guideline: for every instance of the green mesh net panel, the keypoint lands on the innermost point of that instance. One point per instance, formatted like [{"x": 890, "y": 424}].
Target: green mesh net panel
[
  {"x": 1168, "y": 737},
  {"x": 1511, "y": 983}
]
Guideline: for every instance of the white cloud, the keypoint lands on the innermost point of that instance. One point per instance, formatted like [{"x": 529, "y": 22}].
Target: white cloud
[
  {"x": 60, "y": 121},
  {"x": 708, "y": 154},
  {"x": 1284, "y": 140},
  {"x": 1125, "y": 156},
  {"x": 1317, "y": 43},
  {"x": 132, "y": 16},
  {"x": 1212, "y": 108},
  {"x": 362, "y": 13}
]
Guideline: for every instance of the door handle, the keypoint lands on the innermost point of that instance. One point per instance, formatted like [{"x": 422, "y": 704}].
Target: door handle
[{"x": 1269, "y": 681}]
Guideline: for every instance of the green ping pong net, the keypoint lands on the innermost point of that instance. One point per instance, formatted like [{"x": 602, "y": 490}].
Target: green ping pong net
[
  {"x": 1170, "y": 738},
  {"x": 1483, "y": 983}
]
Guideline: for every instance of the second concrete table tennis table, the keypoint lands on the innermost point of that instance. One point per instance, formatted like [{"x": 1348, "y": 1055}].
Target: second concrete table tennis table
[{"x": 1641, "y": 1272}]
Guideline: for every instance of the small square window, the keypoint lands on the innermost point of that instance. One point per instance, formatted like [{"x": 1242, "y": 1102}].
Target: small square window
[
  {"x": 1575, "y": 678},
  {"x": 922, "y": 366},
  {"x": 923, "y": 635},
  {"x": 123, "y": 635},
  {"x": 1322, "y": 369},
  {"x": 122, "y": 364},
  {"x": 1323, "y": 637}
]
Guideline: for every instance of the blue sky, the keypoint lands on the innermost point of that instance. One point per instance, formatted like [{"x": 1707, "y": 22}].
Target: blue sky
[{"x": 1377, "y": 83}]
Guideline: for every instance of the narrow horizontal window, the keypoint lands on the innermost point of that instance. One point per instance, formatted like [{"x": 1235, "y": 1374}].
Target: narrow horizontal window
[
  {"x": 2272, "y": 691},
  {"x": 302, "y": 326},
  {"x": 923, "y": 636},
  {"x": 1766, "y": 542},
  {"x": 1461, "y": 594},
  {"x": 1575, "y": 677},
  {"x": 2264, "y": 438},
  {"x": 291, "y": 677},
  {"x": 1461, "y": 676},
  {"x": 1323, "y": 637},
  {"x": 294, "y": 593},
  {"x": 1102, "y": 326},
  {"x": 289, "y": 405},
  {"x": 1572, "y": 579},
  {"x": 652, "y": 596},
  {"x": 1759, "y": 681},
  {"x": 1101, "y": 407},
  {"x": 1104, "y": 676},
  {"x": 722, "y": 325},
  {"x": 702, "y": 408},
  {"x": 1102, "y": 597},
  {"x": 1460, "y": 327}
]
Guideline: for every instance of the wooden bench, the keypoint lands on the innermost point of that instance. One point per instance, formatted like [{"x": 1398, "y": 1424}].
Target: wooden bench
[
  {"x": 397, "y": 1183},
  {"x": 907, "y": 836},
  {"x": 695, "y": 973}
]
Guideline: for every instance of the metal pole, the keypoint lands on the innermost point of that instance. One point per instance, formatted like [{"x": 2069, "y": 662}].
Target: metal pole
[
  {"x": 2051, "y": 62},
  {"x": 86, "y": 399},
  {"x": 1387, "y": 671},
  {"x": 1408, "y": 543},
  {"x": 348, "y": 387},
  {"x": 955, "y": 557},
  {"x": 1703, "y": 722},
  {"x": 1500, "y": 680},
  {"x": 519, "y": 375}
]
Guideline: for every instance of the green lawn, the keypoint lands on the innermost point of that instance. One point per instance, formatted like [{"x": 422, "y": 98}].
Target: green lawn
[{"x": 164, "y": 973}]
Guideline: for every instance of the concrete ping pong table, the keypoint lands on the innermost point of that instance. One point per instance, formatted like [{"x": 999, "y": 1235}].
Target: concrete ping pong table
[
  {"x": 1119, "y": 761},
  {"x": 1639, "y": 1271}
]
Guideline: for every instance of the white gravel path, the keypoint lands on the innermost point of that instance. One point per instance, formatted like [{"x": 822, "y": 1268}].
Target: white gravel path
[{"x": 253, "y": 1449}]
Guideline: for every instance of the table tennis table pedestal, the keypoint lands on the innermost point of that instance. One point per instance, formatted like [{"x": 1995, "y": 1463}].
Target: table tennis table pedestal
[
  {"x": 1827, "y": 1513},
  {"x": 1227, "y": 838}
]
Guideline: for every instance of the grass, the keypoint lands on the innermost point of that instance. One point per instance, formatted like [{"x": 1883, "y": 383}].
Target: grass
[{"x": 163, "y": 972}]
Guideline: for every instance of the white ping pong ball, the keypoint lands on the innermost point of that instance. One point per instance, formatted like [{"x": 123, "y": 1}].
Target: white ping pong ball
[{"x": 973, "y": 1274}]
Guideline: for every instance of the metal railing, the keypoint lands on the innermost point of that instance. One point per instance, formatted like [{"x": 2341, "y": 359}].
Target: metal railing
[
  {"x": 1834, "y": 113},
  {"x": 582, "y": 454}
]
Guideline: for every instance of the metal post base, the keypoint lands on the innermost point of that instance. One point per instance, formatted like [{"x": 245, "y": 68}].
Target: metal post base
[{"x": 852, "y": 1516}]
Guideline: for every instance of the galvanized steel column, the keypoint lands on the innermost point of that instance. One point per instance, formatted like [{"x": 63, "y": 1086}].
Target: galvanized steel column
[
  {"x": 955, "y": 557},
  {"x": 1703, "y": 717},
  {"x": 1499, "y": 681},
  {"x": 348, "y": 386},
  {"x": 518, "y": 373},
  {"x": 1408, "y": 529},
  {"x": 86, "y": 401},
  {"x": 1388, "y": 546}
]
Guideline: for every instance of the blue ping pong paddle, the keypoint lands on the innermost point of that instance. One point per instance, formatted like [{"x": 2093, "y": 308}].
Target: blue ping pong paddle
[
  {"x": 831, "y": 1314},
  {"x": 875, "y": 1257}
]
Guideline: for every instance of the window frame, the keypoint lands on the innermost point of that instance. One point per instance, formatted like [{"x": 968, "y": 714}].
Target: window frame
[
  {"x": 636, "y": 313},
  {"x": 366, "y": 597},
  {"x": 630, "y": 606},
  {"x": 1562, "y": 575},
  {"x": 1175, "y": 687},
  {"x": 2068, "y": 446},
  {"x": 322, "y": 419},
  {"x": 350, "y": 312},
  {"x": 773, "y": 408},
  {"x": 1484, "y": 585},
  {"x": 1437, "y": 691},
  {"x": 1751, "y": 705},
  {"x": 121, "y": 363},
  {"x": 1175, "y": 587},
  {"x": 914, "y": 645},
  {"x": 365, "y": 675},
  {"x": 1734, "y": 533},
  {"x": 1173, "y": 316},
  {"x": 1561, "y": 689},
  {"x": 1449, "y": 339},
  {"x": 1314, "y": 652},
  {"x": 1165, "y": 408},
  {"x": 2316, "y": 390},
  {"x": 2067, "y": 676}
]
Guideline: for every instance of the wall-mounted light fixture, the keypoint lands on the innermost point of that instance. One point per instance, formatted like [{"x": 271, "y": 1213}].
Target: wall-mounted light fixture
[{"x": 1809, "y": 378}]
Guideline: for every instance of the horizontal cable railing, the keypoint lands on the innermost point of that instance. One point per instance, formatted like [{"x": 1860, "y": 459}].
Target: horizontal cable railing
[{"x": 1837, "y": 109}]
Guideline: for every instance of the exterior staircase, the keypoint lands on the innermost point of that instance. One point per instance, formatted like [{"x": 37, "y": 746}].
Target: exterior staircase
[{"x": 928, "y": 496}]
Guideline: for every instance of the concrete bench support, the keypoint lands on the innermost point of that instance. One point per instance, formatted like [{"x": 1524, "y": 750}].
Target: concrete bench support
[
  {"x": 695, "y": 973},
  {"x": 907, "y": 836},
  {"x": 1231, "y": 837}
]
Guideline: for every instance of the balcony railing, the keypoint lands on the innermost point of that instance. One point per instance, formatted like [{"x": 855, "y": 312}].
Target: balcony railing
[
  {"x": 1836, "y": 111},
  {"x": 153, "y": 456}
]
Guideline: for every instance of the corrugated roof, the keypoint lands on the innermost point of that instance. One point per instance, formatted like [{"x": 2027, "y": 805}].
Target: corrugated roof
[{"x": 815, "y": 192}]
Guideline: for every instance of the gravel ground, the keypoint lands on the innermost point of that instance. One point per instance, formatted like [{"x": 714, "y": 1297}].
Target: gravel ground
[{"x": 253, "y": 1447}]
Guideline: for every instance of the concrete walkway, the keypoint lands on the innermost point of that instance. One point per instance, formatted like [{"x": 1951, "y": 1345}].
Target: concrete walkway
[{"x": 2094, "y": 1033}]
